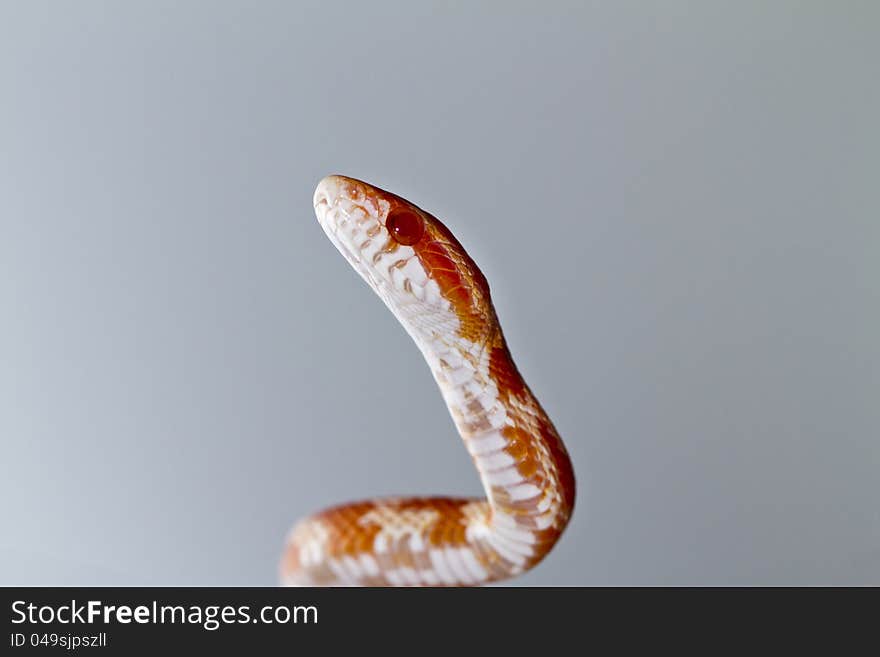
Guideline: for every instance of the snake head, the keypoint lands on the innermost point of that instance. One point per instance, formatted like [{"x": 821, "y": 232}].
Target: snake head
[{"x": 409, "y": 258}]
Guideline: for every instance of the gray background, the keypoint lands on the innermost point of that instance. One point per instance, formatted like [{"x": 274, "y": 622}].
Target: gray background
[{"x": 676, "y": 205}]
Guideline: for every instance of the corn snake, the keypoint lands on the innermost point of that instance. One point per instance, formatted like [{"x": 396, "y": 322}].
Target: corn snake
[{"x": 434, "y": 289}]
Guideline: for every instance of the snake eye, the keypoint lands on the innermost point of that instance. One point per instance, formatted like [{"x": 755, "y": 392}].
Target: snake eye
[{"x": 405, "y": 226}]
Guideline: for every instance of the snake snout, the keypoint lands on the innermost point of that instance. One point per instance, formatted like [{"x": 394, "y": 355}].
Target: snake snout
[
  {"x": 333, "y": 188},
  {"x": 326, "y": 194}
]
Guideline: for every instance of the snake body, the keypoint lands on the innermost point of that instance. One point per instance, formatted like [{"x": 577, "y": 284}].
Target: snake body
[{"x": 438, "y": 294}]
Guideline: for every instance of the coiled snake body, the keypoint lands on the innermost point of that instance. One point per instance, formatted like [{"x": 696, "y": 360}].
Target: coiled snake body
[{"x": 438, "y": 294}]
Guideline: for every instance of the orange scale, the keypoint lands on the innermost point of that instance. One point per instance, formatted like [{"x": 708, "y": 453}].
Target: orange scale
[
  {"x": 434, "y": 536},
  {"x": 528, "y": 468},
  {"x": 365, "y": 539},
  {"x": 503, "y": 371},
  {"x": 517, "y": 443},
  {"x": 440, "y": 267},
  {"x": 559, "y": 456},
  {"x": 449, "y": 534},
  {"x": 545, "y": 536}
]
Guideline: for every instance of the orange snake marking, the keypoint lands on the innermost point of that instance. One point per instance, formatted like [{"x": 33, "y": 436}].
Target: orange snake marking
[{"x": 431, "y": 285}]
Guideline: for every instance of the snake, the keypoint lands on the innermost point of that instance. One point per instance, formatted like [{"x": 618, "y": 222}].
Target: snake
[{"x": 441, "y": 298}]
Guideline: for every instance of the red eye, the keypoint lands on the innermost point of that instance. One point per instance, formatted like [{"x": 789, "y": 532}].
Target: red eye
[{"x": 405, "y": 226}]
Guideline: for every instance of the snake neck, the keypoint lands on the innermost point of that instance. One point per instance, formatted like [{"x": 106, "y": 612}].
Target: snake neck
[{"x": 523, "y": 464}]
